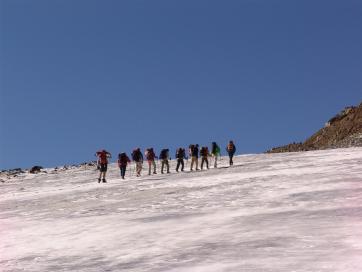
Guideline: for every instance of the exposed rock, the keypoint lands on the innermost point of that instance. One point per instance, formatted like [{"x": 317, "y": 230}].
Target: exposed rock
[
  {"x": 15, "y": 171},
  {"x": 35, "y": 169},
  {"x": 343, "y": 130},
  {"x": 354, "y": 140},
  {"x": 11, "y": 173}
]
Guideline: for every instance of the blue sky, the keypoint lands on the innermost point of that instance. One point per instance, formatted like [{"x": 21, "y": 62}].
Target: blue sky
[{"x": 80, "y": 75}]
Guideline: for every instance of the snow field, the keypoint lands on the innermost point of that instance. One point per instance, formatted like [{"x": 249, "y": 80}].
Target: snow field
[{"x": 269, "y": 212}]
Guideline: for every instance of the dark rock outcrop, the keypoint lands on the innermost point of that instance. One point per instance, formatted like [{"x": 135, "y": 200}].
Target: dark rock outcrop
[{"x": 35, "y": 169}]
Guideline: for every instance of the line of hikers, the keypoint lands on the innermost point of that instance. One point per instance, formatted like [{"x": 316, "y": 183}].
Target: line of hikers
[{"x": 195, "y": 152}]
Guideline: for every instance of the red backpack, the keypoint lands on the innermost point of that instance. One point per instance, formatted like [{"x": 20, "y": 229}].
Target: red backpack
[{"x": 102, "y": 156}]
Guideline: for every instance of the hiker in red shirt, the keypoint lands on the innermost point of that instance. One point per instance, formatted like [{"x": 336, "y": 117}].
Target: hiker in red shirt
[{"x": 102, "y": 163}]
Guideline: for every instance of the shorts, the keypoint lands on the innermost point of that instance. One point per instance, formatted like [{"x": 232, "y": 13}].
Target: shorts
[{"x": 103, "y": 167}]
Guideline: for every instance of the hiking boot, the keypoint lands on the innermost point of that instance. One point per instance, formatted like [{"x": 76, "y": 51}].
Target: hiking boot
[
  {"x": 99, "y": 180},
  {"x": 104, "y": 180}
]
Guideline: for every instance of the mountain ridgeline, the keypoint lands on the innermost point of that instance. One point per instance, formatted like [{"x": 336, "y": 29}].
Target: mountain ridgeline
[{"x": 342, "y": 131}]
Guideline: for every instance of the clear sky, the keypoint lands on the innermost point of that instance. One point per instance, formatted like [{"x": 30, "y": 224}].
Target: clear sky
[{"x": 80, "y": 75}]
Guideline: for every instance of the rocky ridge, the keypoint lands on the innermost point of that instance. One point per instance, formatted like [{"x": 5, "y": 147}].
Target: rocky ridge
[{"x": 341, "y": 131}]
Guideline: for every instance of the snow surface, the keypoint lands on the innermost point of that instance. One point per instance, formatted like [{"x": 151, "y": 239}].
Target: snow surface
[{"x": 269, "y": 212}]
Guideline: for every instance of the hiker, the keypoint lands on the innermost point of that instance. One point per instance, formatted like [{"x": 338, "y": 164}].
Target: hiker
[
  {"x": 137, "y": 157},
  {"x": 231, "y": 151},
  {"x": 180, "y": 156},
  {"x": 194, "y": 156},
  {"x": 191, "y": 147},
  {"x": 123, "y": 160},
  {"x": 215, "y": 152},
  {"x": 204, "y": 153},
  {"x": 150, "y": 156},
  {"x": 102, "y": 163},
  {"x": 164, "y": 155}
]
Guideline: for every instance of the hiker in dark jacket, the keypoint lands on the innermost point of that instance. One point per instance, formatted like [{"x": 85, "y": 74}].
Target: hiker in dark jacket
[
  {"x": 204, "y": 153},
  {"x": 123, "y": 160},
  {"x": 164, "y": 155},
  {"x": 180, "y": 156},
  {"x": 137, "y": 157},
  {"x": 194, "y": 156},
  {"x": 231, "y": 151}
]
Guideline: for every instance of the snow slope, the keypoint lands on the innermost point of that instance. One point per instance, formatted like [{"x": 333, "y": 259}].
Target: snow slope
[{"x": 277, "y": 212}]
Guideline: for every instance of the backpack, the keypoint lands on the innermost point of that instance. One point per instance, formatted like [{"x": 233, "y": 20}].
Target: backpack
[
  {"x": 204, "y": 151},
  {"x": 122, "y": 159},
  {"x": 180, "y": 154},
  {"x": 215, "y": 149},
  {"x": 195, "y": 151},
  {"x": 163, "y": 154},
  {"x": 123, "y": 156},
  {"x": 150, "y": 155},
  {"x": 230, "y": 147},
  {"x": 102, "y": 157},
  {"x": 136, "y": 155}
]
